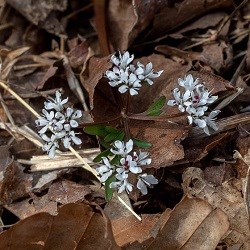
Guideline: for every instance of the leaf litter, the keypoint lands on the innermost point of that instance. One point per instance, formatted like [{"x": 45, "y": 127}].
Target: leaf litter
[{"x": 202, "y": 199}]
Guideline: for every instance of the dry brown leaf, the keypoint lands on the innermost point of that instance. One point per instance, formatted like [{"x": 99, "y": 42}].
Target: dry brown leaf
[
  {"x": 218, "y": 55},
  {"x": 77, "y": 226},
  {"x": 129, "y": 229},
  {"x": 65, "y": 192},
  {"x": 122, "y": 18},
  {"x": 41, "y": 13},
  {"x": 227, "y": 197},
  {"x": 32, "y": 205},
  {"x": 189, "y": 221},
  {"x": 14, "y": 183},
  {"x": 48, "y": 74},
  {"x": 170, "y": 16},
  {"x": 78, "y": 54},
  {"x": 97, "y": 68},
  {"x": 207, "y": 21}
]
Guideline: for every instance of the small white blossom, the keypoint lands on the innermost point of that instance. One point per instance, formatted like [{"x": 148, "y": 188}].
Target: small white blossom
[
  {"x": 130, "y": 163},
  {"x": 181, "y": 100},
  {"x": 69, "y": 138},
  {"x": 122, "y": 61},
  {"x": 105, "y": 170},
  {"x": 146, "y": 73},
  {"x": 129, "y": 77},
  {"x": 195, "y": 100},
  {"x": 121, "y": 148},
  {"x": 122, "y": 184},
  {"x": 208, "y": 121},
  {"x": 131, "y": 83},
  {"x": 141, "y": 159},
  {"x": 144, "y": 181},
  {"x": 58, "y": 124},
  {"x": 56, "y": 103},
  {"x": 189, "y": 83},
  {"x": 51, "y": 145}
]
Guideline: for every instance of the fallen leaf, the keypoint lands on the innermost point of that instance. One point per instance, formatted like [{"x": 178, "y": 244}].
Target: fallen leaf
[
  {"x": 65, "y": 192},
  {"x": 129, "y": 229},
  {"x": 33, "y": 205},
  {"x": 121, "y": 19},
  {"x": 77, "y": 226},
  {"x": 97, "y": 68},
  {"x": 176, "y": 14},
  {"x": 186, "y": 226},
  {"x": 14, "y": 183},
  {"x": 227, "y": 197},
  {"x": 41, "y": 13},
  {"x": 78, "y": 54},
  {"x": 48, "y": 74}
]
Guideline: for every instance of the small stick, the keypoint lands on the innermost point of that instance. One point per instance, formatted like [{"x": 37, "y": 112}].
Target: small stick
[{"x": 129, "y": 208}]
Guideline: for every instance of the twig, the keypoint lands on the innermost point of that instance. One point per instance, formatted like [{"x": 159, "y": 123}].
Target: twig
[
  {"x": 129, "y": 208},
  {"x": 222, "y": 124},
  {"x": 5, "y": 108}
]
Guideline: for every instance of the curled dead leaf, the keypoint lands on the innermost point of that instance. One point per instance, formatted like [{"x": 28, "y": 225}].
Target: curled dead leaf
[{"x": 77, "y": 226}]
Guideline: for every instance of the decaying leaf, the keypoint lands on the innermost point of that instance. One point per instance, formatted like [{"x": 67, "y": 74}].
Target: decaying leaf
[
  {"x": 41, "y": 13},
  {"x": 33, "y": 205},
  {"x": 77, "y": 226},
  {"x": 129, "y": 229},
  {"x": 65, "y": 192},
  {"x": 227, "y": 197},
  {"x": 14, "y": 183},
  {"x": 189, "y": 221}
]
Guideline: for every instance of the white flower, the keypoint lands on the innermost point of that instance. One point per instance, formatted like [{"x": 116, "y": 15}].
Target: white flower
[
  {"x": 146, "y": 73},
  {"x": 188, "y": 82},
  {"x": 51, "y": 145},
  {"x": 201, "y": 96},
  {"x": 122, "y": 183},
  {"x": 194, "y": 101},
  {"x": 141, "y": 159},
  {"x": 129, "y": 164},
  {"x": 123, "y": 60},
  {"x": 56, "y": 103},
  {"x": 145, "y": 180},
  {"x": 59, "y": 122},
  {"x": 69, "y": 137},
  {"x": 128, "y": 77},
  {"x": 121, "y": 148},
  {"x": 105, "y": 170},
  {"x": 181, "y": 100},
  {"x": 129, "y": 82},
  {"x": 207, "y": 121}
]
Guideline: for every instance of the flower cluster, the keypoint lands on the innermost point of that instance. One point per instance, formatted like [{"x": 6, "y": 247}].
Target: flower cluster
[
  {"x": 129, "y": 77},
  {"x": 58, "y": 124},
  {"x": 195, "y": 100},
  {"x": 130, "y": 162}
]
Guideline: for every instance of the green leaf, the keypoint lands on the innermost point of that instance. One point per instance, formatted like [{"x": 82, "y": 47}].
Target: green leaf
[
  {"x": 109, "y": 191},
  {"x": 111, "y": 130},
  {"x": 119, "y": 135},
  {"x": 115, "y": 160},
  {"x": 104, "y": 153},
  {"x": 104, "y": 144},
  {"x": 99, "y": 130},
  {"x": 155, "y": 108},
  {"x": 141, "y": 143}
]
